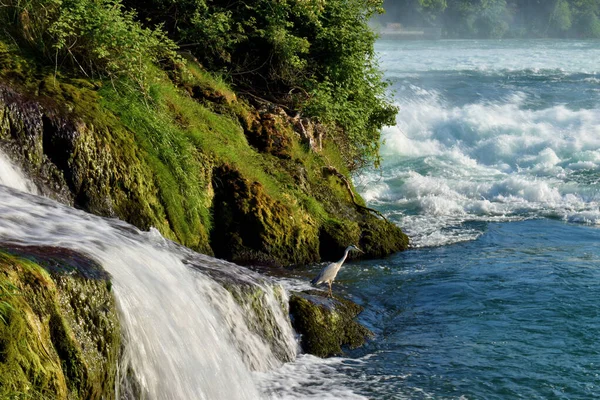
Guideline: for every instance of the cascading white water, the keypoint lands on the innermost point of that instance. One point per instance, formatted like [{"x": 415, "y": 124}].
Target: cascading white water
[
  {"x": 186, "y": 337},
  {"x": 10, "y": 176}
]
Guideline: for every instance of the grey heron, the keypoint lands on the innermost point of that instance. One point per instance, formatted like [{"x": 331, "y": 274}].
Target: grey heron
[{"x": 329, "y": 273}]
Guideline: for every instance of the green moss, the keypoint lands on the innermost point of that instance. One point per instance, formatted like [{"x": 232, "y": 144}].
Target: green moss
[
  {"x": 255, "y": 228},
  {"x": 326, "y": 325},
  {"x": 53, "y": 345},
  {"x": 180, "y": 171},
  {"x": 204, "y": 86},
  {"x": 336, "y": 235},
  {"x": 182, "y": 139},
  {"x": 15, "y": 69},
  {"x": 157, "y": 160},
  {"x": 381, "y": 238}
]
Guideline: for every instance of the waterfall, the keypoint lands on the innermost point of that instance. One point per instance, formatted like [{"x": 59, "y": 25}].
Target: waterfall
[
  {"x": 186, "y": 336},
  {"x": 11, "y": 176}
]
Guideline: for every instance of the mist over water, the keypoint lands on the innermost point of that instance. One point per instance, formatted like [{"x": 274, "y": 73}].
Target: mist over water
[{"x": 488, "y": 131}]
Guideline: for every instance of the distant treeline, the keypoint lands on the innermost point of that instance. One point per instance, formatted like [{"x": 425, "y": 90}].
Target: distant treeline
[{"x": 499, "y": 18}]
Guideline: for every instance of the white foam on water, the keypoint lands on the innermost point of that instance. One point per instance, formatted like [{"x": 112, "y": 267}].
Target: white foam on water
[
  {"x": 12, "y": 177},
  {"x": 311, "y": 378},
  {"x": 486, "y": 161}
]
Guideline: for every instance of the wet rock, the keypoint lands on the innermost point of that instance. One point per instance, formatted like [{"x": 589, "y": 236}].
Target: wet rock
[
  {"x": 22, "y": 127},
  {"x": 59, "y": 330},
  {"x": 326, "y": 325},
  {"x": 265, "y": 311}
]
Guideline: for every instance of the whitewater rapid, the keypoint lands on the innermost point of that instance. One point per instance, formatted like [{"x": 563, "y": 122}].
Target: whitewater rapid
[{"x": 488, "y": 132}]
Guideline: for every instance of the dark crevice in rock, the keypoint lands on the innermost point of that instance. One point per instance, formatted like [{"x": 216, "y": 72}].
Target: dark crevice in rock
[
  {"x": 23, "y": 131},
  {"x": 58, "y": 139}
]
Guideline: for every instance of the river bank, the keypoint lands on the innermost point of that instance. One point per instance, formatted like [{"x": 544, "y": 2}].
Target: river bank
[{"x": 194, "y": 164}]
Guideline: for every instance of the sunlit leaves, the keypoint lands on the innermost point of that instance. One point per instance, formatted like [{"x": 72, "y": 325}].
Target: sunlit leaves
[{"x": 94, "y": 37}]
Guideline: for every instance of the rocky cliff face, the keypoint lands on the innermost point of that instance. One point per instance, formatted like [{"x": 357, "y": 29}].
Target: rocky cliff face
[{"x": 245, "y": 182}]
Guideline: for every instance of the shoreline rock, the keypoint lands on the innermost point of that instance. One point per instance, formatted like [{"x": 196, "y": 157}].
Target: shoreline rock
[{"x": 326, "y": 325}]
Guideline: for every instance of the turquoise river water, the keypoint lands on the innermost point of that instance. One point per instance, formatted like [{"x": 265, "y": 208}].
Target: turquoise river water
[{"x": 493, "y": 169}]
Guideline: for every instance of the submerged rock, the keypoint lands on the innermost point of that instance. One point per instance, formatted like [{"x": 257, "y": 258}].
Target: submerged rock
[
  {"x": 326, "y": 324},
  {"x": 59, "y": 330}
]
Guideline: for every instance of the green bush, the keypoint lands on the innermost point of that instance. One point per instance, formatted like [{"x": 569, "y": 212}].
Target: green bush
[
  {"x": 346, "y": 86},
  {"x": 311, "y": 56},
  {"x": 96, "y": 37},
  {"x": 560, "y": 20},
  {"x": 588, "y": 26}
]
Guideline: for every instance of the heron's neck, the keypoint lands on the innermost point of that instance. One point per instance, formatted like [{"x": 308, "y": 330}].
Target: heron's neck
[{"x": 344, "y": 257}]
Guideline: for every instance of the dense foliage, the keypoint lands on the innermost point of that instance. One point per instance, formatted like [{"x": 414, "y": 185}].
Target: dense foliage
[
  {"x": 499, "y": 18},
  {"x": 96, "y": 37},
  {"x": 314, "y": 57}
]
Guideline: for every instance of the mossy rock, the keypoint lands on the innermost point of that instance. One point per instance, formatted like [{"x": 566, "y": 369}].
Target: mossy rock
[
  {"x": 59, "y": 330},
  {"x": 254, "y": 228},
  {"x": 376, "y": 237},
  {"x": 102, "y": 167},
  {"x": 326, "y": 324},
  {"x": 380, "y": 238},
  {"x": 350, "y": 222},
  {"x": 268, "y": 130},
  {"x": 335, "y": 236}
]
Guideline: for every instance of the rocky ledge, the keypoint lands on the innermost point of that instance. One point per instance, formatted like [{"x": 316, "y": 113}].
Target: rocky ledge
[{"x": 59, "y": 331}]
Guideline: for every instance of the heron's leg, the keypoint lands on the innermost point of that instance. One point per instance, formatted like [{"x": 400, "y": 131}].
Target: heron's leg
[{"x": 330, "y": 293}]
